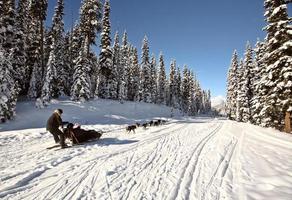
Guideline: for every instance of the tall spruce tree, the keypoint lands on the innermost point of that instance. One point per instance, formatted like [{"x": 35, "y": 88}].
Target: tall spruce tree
[
  {"x": 259, "y": 68},
  {"x": 232, "y": 82},
  {"x": 277, "y": 82},
  {"x": 172, "y": 84},
  {"x": 55, "y": 78},
  {"x": 80, "y": 90},
  {"x": 116, "y": 64},
  {"x": 134, "y": 83},
  {"x": 153, "y": 79},
  {"x": 178, "y": 88},
  {"x": 39, "y": 13},
  {"x": 145, "y": 72},
  {"x": 185, "y": 89},
  {"x": 8, "y": 87},
  {"x": 247, "y": 89},
  {"x": 122, "y": 69},
  {"x": 161, "y": 82},
  {"x": 106, "y": 84},
  {"x": 90, "y": 21},
  {"x": 240, "y": 91}
]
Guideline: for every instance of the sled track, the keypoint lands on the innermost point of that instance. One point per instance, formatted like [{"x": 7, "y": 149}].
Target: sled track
[
  {"x": 89, "y": 165},
  {"x": 183, "y": 189}
]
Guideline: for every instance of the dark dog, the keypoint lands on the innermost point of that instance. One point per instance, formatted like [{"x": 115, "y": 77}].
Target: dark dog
[
  {"x": 131, "y": 128},
  {"x": 151, "y": 123},
  {"x": 138, "y": 124},
  {"x": 78, "y": 135},
  {"x": 163, "y": 121},
  {"x": 145, "y": 125},
  {"x": 156, "y": 123}
]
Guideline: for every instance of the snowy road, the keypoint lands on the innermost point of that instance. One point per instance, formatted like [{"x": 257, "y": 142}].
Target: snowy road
[{"x": 187, "y": 159}]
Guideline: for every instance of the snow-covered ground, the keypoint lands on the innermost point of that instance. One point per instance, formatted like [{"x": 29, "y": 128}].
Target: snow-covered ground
[{"x": 200, "y": 158}]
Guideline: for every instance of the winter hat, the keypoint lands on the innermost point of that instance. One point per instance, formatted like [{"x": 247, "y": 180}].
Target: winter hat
[{"x": 59, "y": 111}]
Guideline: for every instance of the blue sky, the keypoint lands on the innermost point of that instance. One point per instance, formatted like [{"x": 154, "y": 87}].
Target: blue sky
[{"x": 200, "y": 34}]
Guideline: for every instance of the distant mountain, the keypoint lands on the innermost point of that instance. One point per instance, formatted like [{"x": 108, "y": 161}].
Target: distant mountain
[{"x": 218, "y": 104}]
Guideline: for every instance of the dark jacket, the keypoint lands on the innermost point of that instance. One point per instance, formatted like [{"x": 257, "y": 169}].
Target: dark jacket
[{"x": 54, "y": 121}]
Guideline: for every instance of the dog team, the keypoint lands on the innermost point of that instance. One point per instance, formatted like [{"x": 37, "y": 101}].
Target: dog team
[{"x": 145, "y": 125}]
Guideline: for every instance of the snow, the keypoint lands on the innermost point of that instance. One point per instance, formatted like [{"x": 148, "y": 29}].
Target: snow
[{"x": 187, "y": 158}]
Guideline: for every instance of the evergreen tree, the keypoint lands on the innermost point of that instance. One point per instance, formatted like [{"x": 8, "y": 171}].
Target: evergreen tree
[
  {"x": 116, "y": 65},
  {"x": 58, "y": 49},
  {"x": 134, "y": 83},
  {"x": 90, "y": 21},
  {"x": 122, "y": 70},
  {"x": 68, "y": 63},
  {"x": 145, "y": 73},
  {"x": 80, "y": 90},
  {"x": 185, "y": 89},
  {"x": 39, "y": 13},
  {"x": 246, "y": 85},
  {"x": 198, "y": 97},
  {"x": 232, "y": 82},
  {"x": 277, "y": 82},
  {"x": 51, "y": 74},
  {"x": 178, "y": 88},
  {"x": 259, "y": 68},
  {"x": 153, "y": 79},
  {"x": 172, "y": 84},
  {"x": 240, "y": 91},
  {"x": 161, "y": 82},
  {"x": 191, "y": 98},
  {"x": 105, "y": 58},
  {"x": 8, "y": 87}
]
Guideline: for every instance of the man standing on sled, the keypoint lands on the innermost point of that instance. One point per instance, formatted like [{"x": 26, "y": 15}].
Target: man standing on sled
[{"x": 53, "y": 124}]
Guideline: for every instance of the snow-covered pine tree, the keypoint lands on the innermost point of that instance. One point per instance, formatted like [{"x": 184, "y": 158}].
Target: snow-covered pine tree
[
  {"x": 172, "y": 84},
  {"x": 153, "y": 80},
  {"x": 68, "y": 63},
  {"x": 208, "y": 101},
  {"x": 178, "y": 89},
  {"x": 129, "y": 68},
  {"x": 240, "y": 91},
  {"x": 106, "y": 84},
  {"x": 55, "y": 78},
  {"x": 145, "y": 72},
  {"x": 191, "y": 99},
  {"x": 116, "y": 64},
  {"x": 232, "y": 81},
  {"x": 58, "y": 49},
  {"x": 10, "y": 35},
  {"x": 51, "y": 75},
  {"x": 122, "y": 69},
  {"x": 161, "y": 82},
  {"x": 90, "y": 21},
  {"x": 38, "y": 9},
  {"x": 246, "y": 86},
  {"x": 19, "y": 48},
  {"x": 80, "y": 90},
  {"x": 277, "y": 82},
  {"x": 134, "y": 83},
  {"x": 185, "y": 89},
  {"x": 198, "y": 97},
  {"x": 258, "y": 73},
  {"x": 8, "y": 88}
]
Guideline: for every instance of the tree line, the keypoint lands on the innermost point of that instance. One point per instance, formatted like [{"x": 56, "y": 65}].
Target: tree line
[
  {"x": 259, "y": 87},
  {"x": 43, "y": 63}
]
